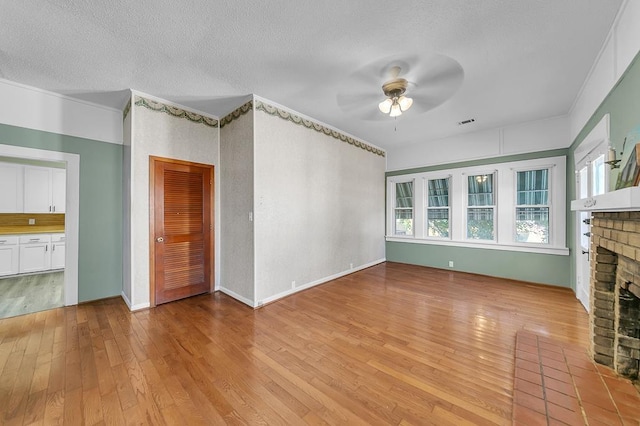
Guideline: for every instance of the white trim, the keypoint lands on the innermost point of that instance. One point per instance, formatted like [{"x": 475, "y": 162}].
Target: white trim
[
  {"x": 529, "y": 248},
  {"x": 318, "y": 282},
  {"x": 236, "y": 296},
  {"x": 72, "y": 210}
]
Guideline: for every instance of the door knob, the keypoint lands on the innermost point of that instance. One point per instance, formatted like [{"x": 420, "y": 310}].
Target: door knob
[
  {"x": 159, "y": 239},
  {"x": 587, "y": 234}
]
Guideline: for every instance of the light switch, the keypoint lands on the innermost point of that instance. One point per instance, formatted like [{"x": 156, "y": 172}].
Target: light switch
[{"x": 32, "y": 221}]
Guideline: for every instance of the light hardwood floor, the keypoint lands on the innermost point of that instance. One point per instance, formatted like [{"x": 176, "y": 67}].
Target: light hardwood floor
[
  {"x": 25, "y": 294},
  {"x": 393, "y": 344}
]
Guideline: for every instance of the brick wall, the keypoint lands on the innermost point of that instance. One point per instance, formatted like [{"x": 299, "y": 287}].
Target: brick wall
[{"x": 615, "y": 291}]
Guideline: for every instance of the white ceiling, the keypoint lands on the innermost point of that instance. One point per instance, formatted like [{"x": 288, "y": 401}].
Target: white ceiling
[{"x": 523, "y": 60}]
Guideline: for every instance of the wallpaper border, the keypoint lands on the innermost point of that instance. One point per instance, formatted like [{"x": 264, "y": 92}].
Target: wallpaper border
[
  {"x": 236, "y": 113},
  {"x": 176, "y": 112},
  {"x": 285, "y": 115}
]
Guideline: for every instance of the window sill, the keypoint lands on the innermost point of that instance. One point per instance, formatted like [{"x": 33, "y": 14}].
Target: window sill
[{"x": 529, "y": 248}]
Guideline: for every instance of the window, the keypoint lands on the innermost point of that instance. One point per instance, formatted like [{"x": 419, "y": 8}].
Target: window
[
  {"x": 437, "y": 208},
  {"x": 532, "y": 206},
  {"x": 404, "y": 209},
  {"x": 480, "y": 207},
  {"x": 515, "y": 206}
]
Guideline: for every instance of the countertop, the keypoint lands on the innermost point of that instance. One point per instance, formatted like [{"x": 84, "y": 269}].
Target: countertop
[{"x": 30, "y": 229}]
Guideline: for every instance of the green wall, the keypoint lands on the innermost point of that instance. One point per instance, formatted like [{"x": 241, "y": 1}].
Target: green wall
[
  {"x": 100, "y": 231},
  {"x": 532, "y": 267},
  {"x": 623, "y": 105}
]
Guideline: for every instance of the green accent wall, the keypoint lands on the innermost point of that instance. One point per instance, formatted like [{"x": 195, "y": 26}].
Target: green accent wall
[
  {"x": 100, "y": 227},
  {"x": 532, "y": 267},
  {"x": 623, "y": 105}
]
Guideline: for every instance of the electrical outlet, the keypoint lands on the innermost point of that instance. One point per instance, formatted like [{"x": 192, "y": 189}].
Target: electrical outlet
[
  {"x": 351, "y": 266},
  {"x": 293, "y": 284},
  {"x": 32, "y": 221},
  {"x": 451, "y": 264}
]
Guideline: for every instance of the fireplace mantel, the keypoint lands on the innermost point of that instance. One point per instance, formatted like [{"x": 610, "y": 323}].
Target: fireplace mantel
[{"x": 621, "y": 200}]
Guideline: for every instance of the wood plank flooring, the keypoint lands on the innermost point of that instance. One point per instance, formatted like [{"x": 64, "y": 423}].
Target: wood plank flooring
[
  {"x": 393, "y": 344},
  {"x": 25, "y": 294}
]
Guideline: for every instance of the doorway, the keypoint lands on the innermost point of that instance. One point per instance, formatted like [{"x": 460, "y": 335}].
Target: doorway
[
  {"x": 72, "y": 209},
  {"x": 181, "y": 229},
  {"x": 592, "y": 178}
]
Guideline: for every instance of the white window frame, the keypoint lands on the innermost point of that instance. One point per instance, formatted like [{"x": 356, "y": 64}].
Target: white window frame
[
  {"x": 494, "y": 206},
  {"x": 391, "y": 225},
  {"x": 551, "y": 190},
  {"x": 427, "y": 207},
  {"x": 504, "y": 207}
]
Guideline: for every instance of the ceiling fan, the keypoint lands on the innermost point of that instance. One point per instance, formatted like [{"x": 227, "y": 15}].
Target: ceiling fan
[
  {"x": 396, "y": 102},
  {"x": 420, "y": 83}
]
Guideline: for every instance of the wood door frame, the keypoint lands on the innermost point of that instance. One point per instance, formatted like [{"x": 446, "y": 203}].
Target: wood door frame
[{"x": 152, "y": 227}]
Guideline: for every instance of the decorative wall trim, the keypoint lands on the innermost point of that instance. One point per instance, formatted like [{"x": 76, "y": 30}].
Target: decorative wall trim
[
  {"x": 236, "y": 113},
  {"x": 127, "y": 109},
  {"x": 176, "y": 112},
  {"x": 285, "y": 115}
]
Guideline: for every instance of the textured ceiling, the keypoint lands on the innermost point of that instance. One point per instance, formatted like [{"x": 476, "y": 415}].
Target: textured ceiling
[{"x": 523, "y": 60}]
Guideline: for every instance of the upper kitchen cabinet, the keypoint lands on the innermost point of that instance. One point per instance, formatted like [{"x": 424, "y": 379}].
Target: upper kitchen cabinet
[
  {"x": 11, "y": 188},
  {"x": 44, "y": 190}
]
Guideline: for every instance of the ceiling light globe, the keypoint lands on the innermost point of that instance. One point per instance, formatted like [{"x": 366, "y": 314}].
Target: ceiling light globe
[
  {"x": 395, "y": 110},
  {"x": 405, "y": 103},
  {"x": 385, "y": 106}
]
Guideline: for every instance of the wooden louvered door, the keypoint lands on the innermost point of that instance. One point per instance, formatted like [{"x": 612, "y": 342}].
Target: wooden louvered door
[{"x": 181, "y": 229}]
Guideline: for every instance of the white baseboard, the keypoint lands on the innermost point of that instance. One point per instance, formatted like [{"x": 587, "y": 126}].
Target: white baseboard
[
  {"x": 236, "y": 296},
  {"x": 134, "y": 307},
  {"x": 318, "y": 282}
]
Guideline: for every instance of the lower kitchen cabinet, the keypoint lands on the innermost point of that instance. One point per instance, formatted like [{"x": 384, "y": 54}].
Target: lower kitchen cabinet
[
  {"x": 9, "y": 255},
  {"x": 57, "y": 251},
  {"x": 35, "y": 254}
]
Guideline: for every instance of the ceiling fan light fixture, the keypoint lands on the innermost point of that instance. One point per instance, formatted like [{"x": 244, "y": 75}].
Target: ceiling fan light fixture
[
  {"x": 405, "y": 103},
  {"x": 385, "y": 106},
  {"x": 395, "y": 110}
]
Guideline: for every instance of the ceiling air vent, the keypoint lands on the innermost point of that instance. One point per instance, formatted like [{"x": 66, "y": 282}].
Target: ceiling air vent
[{"x": 471, "y": 120}]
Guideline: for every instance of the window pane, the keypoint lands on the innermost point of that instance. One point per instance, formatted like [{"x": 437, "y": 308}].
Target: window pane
[
  {"x": 598, "y": 172},
  {"x": 480, "y": 224},
  {"x": 404, "y": 194},
  {"x": 439, "y": 193},
  {"x": 481, "y": 190},
  {"x": 584, "y": 183},
  {"x": 532, "y": 224},
  {"x": 438, "y": 223},
  {"x": 533, "y": 187},
  {"x": 404, "y": 222}
]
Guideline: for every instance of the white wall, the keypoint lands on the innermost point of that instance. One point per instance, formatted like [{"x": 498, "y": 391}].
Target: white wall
[
  {"x": 236, "y": 198},
  {"x": 160, "y": 134},
  {"x": 620, "y": 48},
  {"x": 319, "y": 207},
  {"x": 541, "y": 135},
  {"x": 32, "y": 108}
]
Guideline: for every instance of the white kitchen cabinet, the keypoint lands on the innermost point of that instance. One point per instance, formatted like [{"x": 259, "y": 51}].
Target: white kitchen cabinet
[
  {"x": 11, "y": 188},
  {"x": 9, "y": 255},
  {"x": 57, "y": 251},
  {"x": 44, "y": 190},
  {"x": 35, "y": 254},
  {"x": 58, "y": 190}
]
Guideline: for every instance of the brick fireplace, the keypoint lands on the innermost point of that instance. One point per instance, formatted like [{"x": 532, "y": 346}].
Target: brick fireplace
[{"x": 615, "y": 291}]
